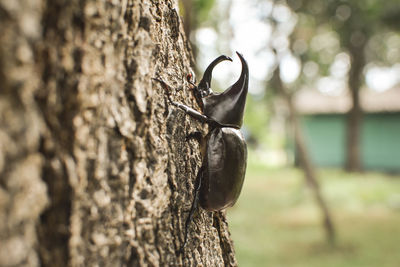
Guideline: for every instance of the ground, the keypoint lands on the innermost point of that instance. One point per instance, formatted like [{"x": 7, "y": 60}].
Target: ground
[{"x": 276, "y": 221}]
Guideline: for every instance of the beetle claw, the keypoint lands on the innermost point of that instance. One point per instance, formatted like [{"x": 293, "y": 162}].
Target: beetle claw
[
  {"x": 191, "y": 78},
  {"x": 166, "y": 87}
]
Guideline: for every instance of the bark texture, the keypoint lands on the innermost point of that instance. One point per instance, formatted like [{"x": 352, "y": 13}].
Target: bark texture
[{"x": 94, "y": 166}]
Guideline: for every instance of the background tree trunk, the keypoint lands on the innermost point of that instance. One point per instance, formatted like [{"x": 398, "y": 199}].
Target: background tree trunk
[
  {"x": 304, "y": 157},
  {"x": 94, "y": 166},
  {"x": 354, "y": 116}
]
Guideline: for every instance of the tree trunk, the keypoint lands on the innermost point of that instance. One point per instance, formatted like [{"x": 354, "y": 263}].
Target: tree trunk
[
  {"x": 304, "y": 158},
  {"x": 354, "y": 118},
  {"x": 94, "y": 166},
  {"x": 188, "y": 18},
  {"x": 189, "y": 25}
]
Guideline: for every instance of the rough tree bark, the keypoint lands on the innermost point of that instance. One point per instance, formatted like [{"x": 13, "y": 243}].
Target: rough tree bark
[{"x": 94, "y": 166}]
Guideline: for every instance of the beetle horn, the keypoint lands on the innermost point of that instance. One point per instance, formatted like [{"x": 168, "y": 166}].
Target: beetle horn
[
  {"x": 205, "y": 82},
  {"x": 227, "y": 108},
  {"x": 242, "y": 84},
  {"x": 237, "y": 93}
]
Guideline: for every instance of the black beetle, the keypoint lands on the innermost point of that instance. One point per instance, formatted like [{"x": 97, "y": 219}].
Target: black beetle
[{"x": 224, "y": 151}]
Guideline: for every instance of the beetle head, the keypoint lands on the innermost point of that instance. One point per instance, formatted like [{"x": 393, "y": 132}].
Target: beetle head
[
  {"x": 205, "y": 84},
  {"x": 227, "y": 108}
]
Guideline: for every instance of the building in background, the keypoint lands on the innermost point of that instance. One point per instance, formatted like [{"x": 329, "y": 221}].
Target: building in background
[{"x": 323, "y": 119}]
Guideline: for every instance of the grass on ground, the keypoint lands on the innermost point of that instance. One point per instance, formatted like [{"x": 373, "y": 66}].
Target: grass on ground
[{"x": 277, "y": 223}]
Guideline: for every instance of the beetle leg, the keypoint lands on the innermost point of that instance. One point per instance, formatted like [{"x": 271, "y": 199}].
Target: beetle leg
[
  {"x": 195, "y": 205},
  {"x": 197, "y": 96},
  {"x": 166, "y": 87},
  {"x": 194, "y": 113},
  {"x": 191, "y": 78},
  {"x": 188, "y": 110},
  {"x": 195, "y": 90}
]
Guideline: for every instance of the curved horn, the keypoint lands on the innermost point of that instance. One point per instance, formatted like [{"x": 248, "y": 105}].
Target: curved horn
[
  {"x": 205, "y": 82},
  {"x": 242, "y": 84},
  {"x": 227, "y": 108}
]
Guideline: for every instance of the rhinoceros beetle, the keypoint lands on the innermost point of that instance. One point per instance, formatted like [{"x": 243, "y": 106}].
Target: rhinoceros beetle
[{"x": 224, "y": 151}]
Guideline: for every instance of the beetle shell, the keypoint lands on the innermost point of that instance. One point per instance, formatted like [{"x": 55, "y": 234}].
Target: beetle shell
[{"x": 225, "y": 167}]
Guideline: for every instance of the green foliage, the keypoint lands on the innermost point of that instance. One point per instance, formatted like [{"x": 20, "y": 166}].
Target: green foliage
[
  {"x": 199, "y": 9},
  {"x": 352, "y": 24},
  {"x": 276, "y": 222},
  {"x": 202, "y": 9}
]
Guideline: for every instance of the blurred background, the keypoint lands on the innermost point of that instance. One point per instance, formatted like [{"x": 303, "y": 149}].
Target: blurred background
[{"x": 322, "y": 124}]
